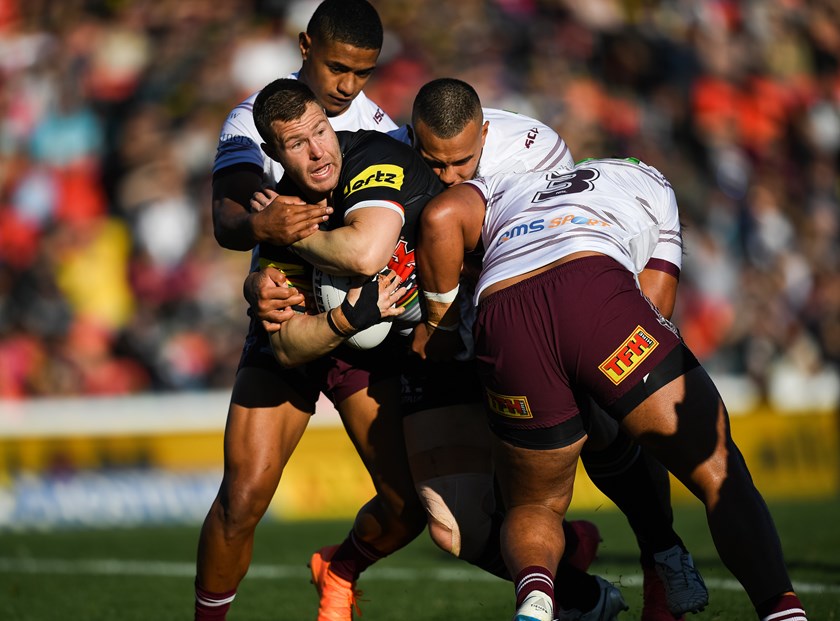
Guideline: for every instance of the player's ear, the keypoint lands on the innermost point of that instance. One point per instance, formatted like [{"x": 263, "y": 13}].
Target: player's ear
[
  {"x": 484, "y": 129},
  {"x": 305, "y": 44}
]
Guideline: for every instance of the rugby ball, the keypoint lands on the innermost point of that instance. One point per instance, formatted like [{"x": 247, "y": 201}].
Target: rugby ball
[{"x": 329, "y": 291}]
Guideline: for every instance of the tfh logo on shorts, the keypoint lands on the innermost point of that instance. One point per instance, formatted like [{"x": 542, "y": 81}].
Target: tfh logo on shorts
[
  {"x": 628, "y": 356},
  {"x": 511, "y": 407}
]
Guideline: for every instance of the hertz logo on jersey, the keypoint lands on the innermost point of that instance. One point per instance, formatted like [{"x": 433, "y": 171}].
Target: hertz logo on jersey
[
  {"x": 510, "y": 407},
  {"x": 629, "y": 355},
  {"x": 381, "y": 175}
]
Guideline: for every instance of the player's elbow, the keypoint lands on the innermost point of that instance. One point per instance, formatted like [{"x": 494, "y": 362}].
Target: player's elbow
[
  {"x": 436, "y": 218},
  {"x": 222, "y": 238},
  {"x": 230, "y": 231},
  {"x": 368, "y": 261},
  {"x": 285, "y": 361}
]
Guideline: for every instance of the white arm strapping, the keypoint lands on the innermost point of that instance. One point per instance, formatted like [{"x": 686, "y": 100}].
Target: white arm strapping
[{"x": 442, "y": 298}]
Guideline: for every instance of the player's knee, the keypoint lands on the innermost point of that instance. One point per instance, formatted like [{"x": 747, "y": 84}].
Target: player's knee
[
  {"x": 405, "y": 508},
  {"x": 399, "y": 522},
  {"x": 413, "y": 519},
  {"x": 242, "y": 506},
  {"x": 459, "y": 511}
]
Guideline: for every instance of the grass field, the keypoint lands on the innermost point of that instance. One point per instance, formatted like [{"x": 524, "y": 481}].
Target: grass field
[{"x": 144, "y": 574}]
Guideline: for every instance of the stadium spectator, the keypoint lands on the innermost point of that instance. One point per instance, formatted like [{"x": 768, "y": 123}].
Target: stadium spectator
[{"x": 646, "y": 71}]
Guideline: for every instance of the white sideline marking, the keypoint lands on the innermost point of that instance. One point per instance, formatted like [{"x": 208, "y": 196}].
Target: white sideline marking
[{"x": 168, "y": 569}]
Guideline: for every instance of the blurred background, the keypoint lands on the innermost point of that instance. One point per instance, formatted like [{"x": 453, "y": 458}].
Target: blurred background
[{"x": 121, "y": 320}]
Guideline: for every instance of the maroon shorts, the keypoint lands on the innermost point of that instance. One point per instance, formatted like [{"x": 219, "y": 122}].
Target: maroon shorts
[
  {"x": 582, "y": 328},
  {"x": 338, "y": 375}
]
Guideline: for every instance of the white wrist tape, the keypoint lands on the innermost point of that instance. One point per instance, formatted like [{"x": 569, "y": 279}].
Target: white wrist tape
[{"x": 442, "y": 298}]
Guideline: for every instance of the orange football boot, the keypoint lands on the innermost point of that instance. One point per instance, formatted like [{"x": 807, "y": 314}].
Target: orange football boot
[{"x": 338, "y": 596}]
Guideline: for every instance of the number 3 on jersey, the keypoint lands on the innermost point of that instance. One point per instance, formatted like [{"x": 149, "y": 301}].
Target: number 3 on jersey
[{"x": 561, "y": 183}]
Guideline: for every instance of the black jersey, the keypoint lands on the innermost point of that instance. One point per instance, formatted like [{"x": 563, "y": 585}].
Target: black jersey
[{"x": 375, "y": 169}]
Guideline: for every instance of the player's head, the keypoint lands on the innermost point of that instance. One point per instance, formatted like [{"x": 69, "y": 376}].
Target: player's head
[
  {"x": 449, "y": 129},
  {"x": 298, "y": 134},
  {"x": 339, "y": 50}
]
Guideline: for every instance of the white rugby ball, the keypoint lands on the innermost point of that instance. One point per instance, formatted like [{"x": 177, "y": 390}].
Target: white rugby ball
[{"x": 330, "y": 292}]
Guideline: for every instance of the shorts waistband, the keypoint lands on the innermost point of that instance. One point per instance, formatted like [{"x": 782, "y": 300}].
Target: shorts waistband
[{"x": 516, "y": 289}]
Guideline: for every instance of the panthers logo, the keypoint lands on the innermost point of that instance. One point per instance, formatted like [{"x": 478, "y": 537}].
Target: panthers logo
[{"x": 402, "y": 262}]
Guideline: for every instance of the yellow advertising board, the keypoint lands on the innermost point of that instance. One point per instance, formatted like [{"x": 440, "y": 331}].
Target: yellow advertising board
[{"x": 790, "y": 456}]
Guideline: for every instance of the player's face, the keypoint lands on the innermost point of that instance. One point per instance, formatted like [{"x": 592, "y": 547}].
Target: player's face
[
  {"x": 455, "y": 159},
  {"x": 336, "y": 72},
  {"x": 308, "y": 150}
]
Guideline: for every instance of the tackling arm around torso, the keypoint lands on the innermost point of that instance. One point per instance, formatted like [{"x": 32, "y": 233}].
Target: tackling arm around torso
[
  {"x": 245, "y": 214},
  {"x": 232, "y": 219}
]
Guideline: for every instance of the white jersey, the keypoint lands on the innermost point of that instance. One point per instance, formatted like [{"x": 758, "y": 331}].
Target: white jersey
[
  {"x": 239, "y": 142},
  {"x": 516, "y": 143},
  {"x": 621, "y": 208}
]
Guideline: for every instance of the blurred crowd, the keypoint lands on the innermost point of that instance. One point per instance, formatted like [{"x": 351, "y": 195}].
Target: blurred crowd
[{"x": 111, "y": 281}]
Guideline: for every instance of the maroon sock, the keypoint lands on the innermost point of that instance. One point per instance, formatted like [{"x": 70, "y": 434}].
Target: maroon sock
[
  {"x": 212, "y": 606},
  {"x": 782, "y": 608},
  {"x": 353, "y": 557},
  {"x": 534, "y": 578}
]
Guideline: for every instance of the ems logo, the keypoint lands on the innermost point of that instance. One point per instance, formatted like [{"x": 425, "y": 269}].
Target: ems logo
[
  {"x": 628, "y": 356},
  {"x": 511, "y": 407},
  {"x": 382, "y": 175}
]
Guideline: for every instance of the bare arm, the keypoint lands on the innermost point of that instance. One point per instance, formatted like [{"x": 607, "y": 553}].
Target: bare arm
[
  {"x": 306, "y": 337},
  {"x": 364, "y": 245},
  {"x": 232, "y": 222},
  {"x": 661, "y": 289},
  {"x": 238, "y": 221},
  {"x": 271, "y": 298},
  {"x": 450, "y": 225}
]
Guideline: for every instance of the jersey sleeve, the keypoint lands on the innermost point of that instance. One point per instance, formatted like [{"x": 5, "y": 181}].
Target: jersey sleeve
[
  {"x": 481, "y": 186},
  {"x": 402, "y": 133},
  {"x": 547, "y": 150},
  {"x": 669, "y": 247},
  {"x": 239, "y": 141},
  {"x": 379, "y": 178},
  {"x": 519, "y": 143}
]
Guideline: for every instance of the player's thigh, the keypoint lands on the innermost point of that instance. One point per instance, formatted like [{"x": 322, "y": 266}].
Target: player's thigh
[
  {"x": 449, "y": 452},
  {"x": 684, "y": 424},
  {"x": 448, "y": 440},
  {"x": 536, "y": 476},
  {"x": 373, "y": 420},
  {"x": 266, "y": 420},
  {"x": 445, "y": 425}
]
